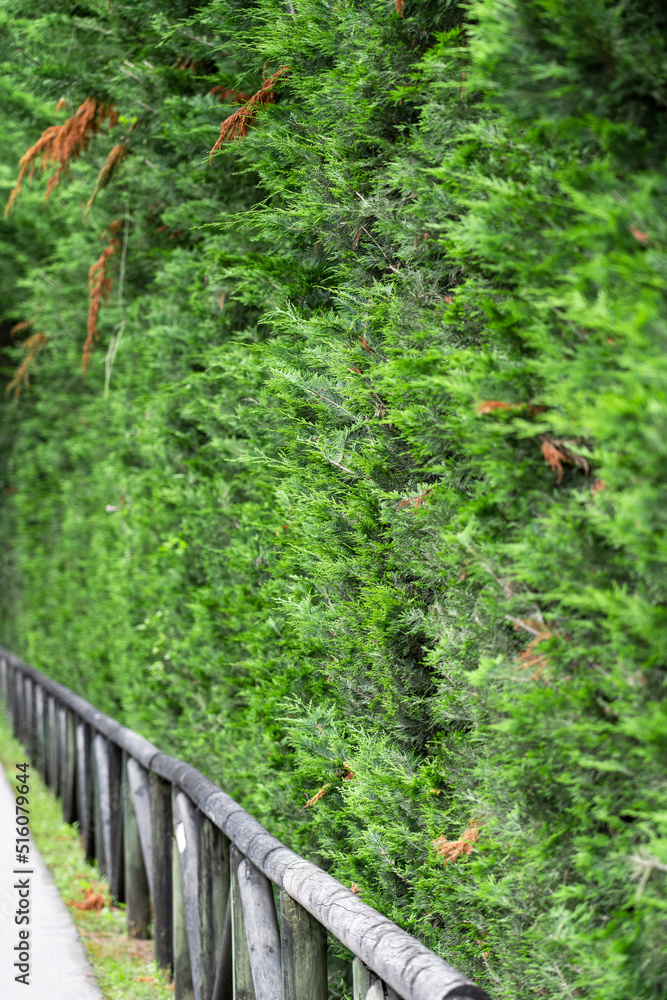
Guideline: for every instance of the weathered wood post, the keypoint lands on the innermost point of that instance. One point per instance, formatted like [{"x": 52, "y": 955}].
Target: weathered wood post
[
  {"x": 303, "y": 950},
  {"x": 141, "y": 800},
  {"x": 53, "y": 771},
  {"x": 68, "y": 766},
  {"x": 187, "y": 846},
  {"x": 223, "y": 986},
  {"x": 117, "y": 857},
  {"x": 3, "y": 680},
  {"x": 361, "y": 980},
  {"x": 18, "y": 704},
  {"x": 183, "y": 978},
  {"x": 102, "y": 805},
  {"x": 9, "y": 700},
  {"x": 39, "y": 727},
  {"x": 85, "y": 782},
  {"x": 213, "y": 893},
  {"x": 23, "y": 726},
  {"x": 242, "y": 988},
  {"x": 161, "y": 836},
  {"x": 261, "y": 928},
  {"x": 29, "y": 723},
  {"x": 137, "y": 897}
]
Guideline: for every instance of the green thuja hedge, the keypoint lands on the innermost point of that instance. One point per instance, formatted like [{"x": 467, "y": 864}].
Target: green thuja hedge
[{"x": 370, "y": 508}]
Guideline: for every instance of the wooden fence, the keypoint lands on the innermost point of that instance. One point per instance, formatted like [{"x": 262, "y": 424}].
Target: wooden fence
[{"x": 186, "y": 858}]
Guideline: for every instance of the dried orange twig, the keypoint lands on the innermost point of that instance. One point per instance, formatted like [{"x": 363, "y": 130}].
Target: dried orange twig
[
  {"x": 318, "y": 795},
  {"x": 23, "y": 325},
  {"x": 99, "y": 286},
  {"x": 238, "y": 125},
  {"x": 31, "y": 347}
]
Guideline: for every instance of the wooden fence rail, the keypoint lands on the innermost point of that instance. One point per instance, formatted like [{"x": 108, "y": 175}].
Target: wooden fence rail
[{"x": 175, "y": 846}]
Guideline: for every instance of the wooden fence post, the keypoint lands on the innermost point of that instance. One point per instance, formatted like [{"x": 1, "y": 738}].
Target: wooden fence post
[
  {"x": 261, "y": 927},
  {"x": 242, "y": 988},
  {"x": 223, "y": 987},
  {"x": 86, "y": 787},
  {"x": 187, "y": 845},
  {"x": 18, "y": 704},
  {"x": 10, "y": 692},
  {"x": 183, "y": 973},
  {"x": 102, "y": 805},
  {"x": 161, "y": 836},
  {"x": 137, "y": 899},
  {"x": 52, "y": 750},
  {"x": 213, "y": 892},
  {"x": 68, "y": 766},
  {"x": 3, "y": 680},
  {"x": 117, "y": 856},
  {"x": 303, "y": 950},
  {"x": 376, "y": 991},
  {"x": 141, "y": 800},
  {"x": 39, "y": 727},
  {"x": 29, "y": 721},
  {"x": 361, "y": 980}
]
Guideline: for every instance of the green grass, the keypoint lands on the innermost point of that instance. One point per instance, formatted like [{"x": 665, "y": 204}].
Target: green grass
[{"x": 124, "y": 968}]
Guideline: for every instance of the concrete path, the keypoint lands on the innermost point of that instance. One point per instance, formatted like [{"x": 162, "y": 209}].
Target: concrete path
[{"x": 59, "y": 967}]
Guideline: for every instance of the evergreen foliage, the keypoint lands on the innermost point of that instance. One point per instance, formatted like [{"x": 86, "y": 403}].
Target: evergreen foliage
[{"x": 360, "y": 506}]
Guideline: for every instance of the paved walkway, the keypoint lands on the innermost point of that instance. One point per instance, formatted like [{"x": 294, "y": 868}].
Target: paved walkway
[{"x": 59, "y": 967}]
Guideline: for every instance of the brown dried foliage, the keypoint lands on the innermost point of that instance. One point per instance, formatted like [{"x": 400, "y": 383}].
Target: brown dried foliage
[
  {"x": 92, "y": 900},
  {"x": 489, "y": 405},
  {"x": 495, "y": 404},
  {"x": 117, "y": 155},
  {"x": 415, "y": 501},
  {"x": 528, "y": 658},
  {"x": 238, "y": 125},
  {"x": 451, "y": 850},
  {"x": 185, "y": 63},
  {"x": 557, "y": 452},
  {"x": 99, "y": 287},
  {"x": 58, "y": 144},
  {"x": 227, "y": 95},
  {"x": 23, "y": 325},
  {"x": 400, "y": 8},
  {"x": 32, "y": 346}
]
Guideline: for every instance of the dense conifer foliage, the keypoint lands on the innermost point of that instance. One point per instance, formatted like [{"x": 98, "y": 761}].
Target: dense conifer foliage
[{"x": 360, "y": 506}]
